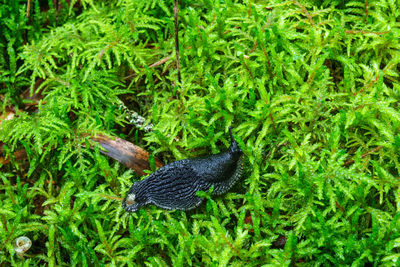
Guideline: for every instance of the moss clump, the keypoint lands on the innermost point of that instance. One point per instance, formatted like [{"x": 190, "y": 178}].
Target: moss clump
[{"x": 310, "y": 88}]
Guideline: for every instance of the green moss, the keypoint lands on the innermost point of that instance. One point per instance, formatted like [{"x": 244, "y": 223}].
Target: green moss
[{"x": 310, "y": 89}]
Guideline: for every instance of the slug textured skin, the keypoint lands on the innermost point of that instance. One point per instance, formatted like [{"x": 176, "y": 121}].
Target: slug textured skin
[{"x": 174, "y": 186}]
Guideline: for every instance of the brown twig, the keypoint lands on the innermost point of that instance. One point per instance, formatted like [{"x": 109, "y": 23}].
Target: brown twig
[
  {"x": 178, "y": 62},
  {"x": 305, "y": 12},
  {"x": 351, "y": 161},
  {"x": 366, "y": 10},
  {"x": 110, "y": 197},
  {"x": 160, "y": 62},
  {"x": 249, "y": 10},
  {"x": 365, "y": 32},
  {"x": 155, "y": 64},
  {"x": 254, "y": 47},
  {"x": 132, "y": 156},
  {"x": 28, "y": 8},
  {"x": 371, "y": 83},
  {"x": 230, "y": 244},
  {"x": 277, "y": 146},
  {"x": 271, "y": 75},
  {"x": 247, "y": 68},
  {"x": 272, "y": 120}
]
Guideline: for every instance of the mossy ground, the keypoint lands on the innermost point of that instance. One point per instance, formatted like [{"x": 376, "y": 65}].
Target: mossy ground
[{"x": 310, "y": 88}]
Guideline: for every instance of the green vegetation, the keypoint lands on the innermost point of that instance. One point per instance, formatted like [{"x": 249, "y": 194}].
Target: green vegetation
[{"x": 310, "y": 88}]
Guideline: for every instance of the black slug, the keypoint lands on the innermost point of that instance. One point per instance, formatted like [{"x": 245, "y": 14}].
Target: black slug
[{"x": 174, "y": 186}]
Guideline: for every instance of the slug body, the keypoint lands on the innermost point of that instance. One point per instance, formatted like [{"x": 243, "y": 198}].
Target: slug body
[{"x": 174, "y": 186}]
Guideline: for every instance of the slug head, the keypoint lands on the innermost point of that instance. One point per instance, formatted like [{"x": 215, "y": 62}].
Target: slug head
[{"x": 135, "y": 199}]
